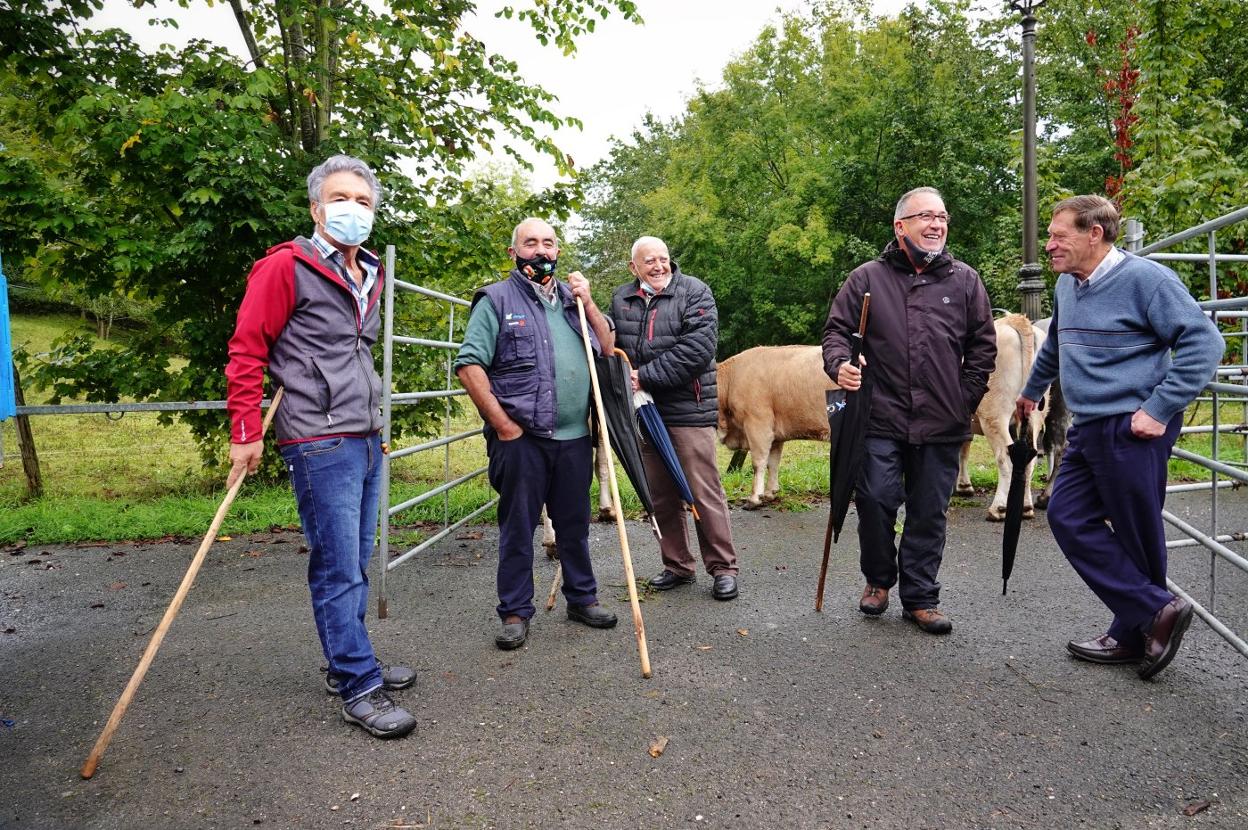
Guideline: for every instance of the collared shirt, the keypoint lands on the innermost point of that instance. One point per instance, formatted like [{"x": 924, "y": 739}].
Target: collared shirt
[
  {"x": 369, "y": 263},
  {"x": 1110, "y": 261},
  {"x": 546, "y": 293}
]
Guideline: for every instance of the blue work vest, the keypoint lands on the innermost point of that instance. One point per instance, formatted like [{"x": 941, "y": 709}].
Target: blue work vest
[{"x": 522, "y": 374}]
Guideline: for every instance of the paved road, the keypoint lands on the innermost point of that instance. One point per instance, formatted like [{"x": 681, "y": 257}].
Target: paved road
[{"x": 776, "y": 716}]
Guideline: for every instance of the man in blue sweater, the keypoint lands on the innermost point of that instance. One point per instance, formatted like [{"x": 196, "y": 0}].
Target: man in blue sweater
[{"x": 1133, "y": 350}]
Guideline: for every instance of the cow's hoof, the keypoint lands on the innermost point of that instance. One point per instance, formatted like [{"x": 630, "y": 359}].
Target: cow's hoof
[
  {"x": 996, "y": 515},
  {"x": 751, "y": 504},
  {"x": 1042, "y": 502},
  {"x": 1029, "y": 512},
  {"x": 968, "y": 490},
  {"x": 552, "y": 552},
  {"x": 606, "y": 514}
]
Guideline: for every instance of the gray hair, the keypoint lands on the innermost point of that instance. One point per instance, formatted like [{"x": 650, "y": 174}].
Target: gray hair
[
  {"x": 1090, "y": 211},
  {"x": 906, "y": 197},
  {"x": 644, "y": 240},
  {"x": 515, "y": 232},
  {"x": 342, "y": 164}
]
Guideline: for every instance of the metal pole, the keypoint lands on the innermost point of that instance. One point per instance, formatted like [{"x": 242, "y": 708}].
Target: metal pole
[
  {"x": 387, "y": 383},
  {"x": 1031, "y": 284}
]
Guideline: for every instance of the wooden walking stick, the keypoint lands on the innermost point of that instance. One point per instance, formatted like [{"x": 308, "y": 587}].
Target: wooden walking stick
[
  {"x": 554, "y": 586},
  {"x": 149, "y": 654},
  {"x": 639, "y": 625}
]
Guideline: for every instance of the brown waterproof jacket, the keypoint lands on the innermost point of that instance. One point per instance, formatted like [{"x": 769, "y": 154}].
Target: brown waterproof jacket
[{"x": 930, "y": 344}]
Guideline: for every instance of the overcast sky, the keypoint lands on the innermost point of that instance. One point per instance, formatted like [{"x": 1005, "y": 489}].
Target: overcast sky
[{"x": 619, "y": 73}]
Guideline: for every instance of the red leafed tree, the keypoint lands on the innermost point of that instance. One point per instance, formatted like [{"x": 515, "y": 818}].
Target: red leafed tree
[{"x": 1120, "y": 86}]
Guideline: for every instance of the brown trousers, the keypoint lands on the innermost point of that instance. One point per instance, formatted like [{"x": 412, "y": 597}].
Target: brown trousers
[{"x": 695, "y": 447}]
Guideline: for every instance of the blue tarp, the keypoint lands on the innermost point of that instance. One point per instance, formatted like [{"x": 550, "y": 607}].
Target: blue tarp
[{"x": 8, "y": 407}]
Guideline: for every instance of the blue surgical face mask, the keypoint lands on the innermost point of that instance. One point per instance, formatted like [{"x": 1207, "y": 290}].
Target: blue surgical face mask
[{"x": 348, "y": 222}]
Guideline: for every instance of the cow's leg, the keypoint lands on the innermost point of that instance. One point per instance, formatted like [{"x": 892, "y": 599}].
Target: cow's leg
[
  {"x": 773, "y": 470},
  {"x": 548, "y": 535},
  {"x": 998, "y": 434},
  {"x": 760, "y": 451},
  {"x": 1035, "y": 426},
  {"x": 606, "y": 510},
  {"x": 964, "y": 487}
]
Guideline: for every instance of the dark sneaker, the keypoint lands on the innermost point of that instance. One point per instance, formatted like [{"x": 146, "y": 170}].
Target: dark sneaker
[
  {"x": 667, "y": 580},
  {"x": 594, "y": 616},
  {"x": 513, "y": 634},
  {"x": 393, "y": 678},
  {"x": 378, "y": 715}
]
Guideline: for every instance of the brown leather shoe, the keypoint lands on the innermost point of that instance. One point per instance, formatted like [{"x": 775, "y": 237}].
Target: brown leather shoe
[
  {"x": 930, "y": 620},
  {"x": 1105, "y": 649},
  {"x": 1165, "y": 636},
  {"x": 874, "y": 600}
]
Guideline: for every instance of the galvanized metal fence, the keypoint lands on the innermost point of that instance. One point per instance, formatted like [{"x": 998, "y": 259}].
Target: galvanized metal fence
[
  {"x": 1231, "y": 383},
  {"x": 389, "y": 399}
]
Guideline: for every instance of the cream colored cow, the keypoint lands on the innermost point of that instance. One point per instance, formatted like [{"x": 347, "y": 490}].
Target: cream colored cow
[
  {"x": 769, "y": 395},
  {"x": 1018, "y": 341}
]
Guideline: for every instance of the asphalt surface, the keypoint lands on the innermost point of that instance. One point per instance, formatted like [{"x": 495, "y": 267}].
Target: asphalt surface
[{"x": 774, "y": 715}]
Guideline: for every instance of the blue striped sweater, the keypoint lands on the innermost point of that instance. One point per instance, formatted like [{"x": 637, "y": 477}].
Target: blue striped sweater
[{"x": 1132, "y": 339}]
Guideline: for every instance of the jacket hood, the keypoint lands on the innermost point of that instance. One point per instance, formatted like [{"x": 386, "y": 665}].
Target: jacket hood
[{"x": 894, "y": 255}]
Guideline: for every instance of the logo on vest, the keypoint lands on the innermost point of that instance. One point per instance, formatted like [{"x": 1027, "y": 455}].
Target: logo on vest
[{"x": 514, "y": 318}]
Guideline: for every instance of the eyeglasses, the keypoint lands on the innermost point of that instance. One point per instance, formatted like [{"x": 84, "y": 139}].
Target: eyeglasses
[{"x": 928, "y": 216}]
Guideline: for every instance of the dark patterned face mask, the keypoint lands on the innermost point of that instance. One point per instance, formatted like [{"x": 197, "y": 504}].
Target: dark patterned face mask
[
  {"x": 919, "y": 256},
  {"x": 538, "y": 268}
]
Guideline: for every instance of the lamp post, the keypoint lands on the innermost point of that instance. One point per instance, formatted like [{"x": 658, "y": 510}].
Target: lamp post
[{"x": 1030, "y": 285}]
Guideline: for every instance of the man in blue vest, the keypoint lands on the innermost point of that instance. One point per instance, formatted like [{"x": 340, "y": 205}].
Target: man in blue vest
[
  {"x": 1133, "y": 350},
  {"x": 523, "y": 364}
]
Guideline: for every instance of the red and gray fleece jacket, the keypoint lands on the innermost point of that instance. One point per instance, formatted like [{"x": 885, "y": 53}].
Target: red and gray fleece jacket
[{"x": 299, "y": 319}]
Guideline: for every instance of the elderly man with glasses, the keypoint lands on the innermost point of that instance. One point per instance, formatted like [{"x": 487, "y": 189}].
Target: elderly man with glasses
[{"x": 930, "y": 346}]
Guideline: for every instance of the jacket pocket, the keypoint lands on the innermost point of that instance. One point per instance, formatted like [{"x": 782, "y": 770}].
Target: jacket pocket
[
  {"x": 517, "y": 346},
  {"x": 324, "y": 389}
]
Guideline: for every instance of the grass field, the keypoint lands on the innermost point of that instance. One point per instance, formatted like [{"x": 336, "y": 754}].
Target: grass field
[{"x": 132, "y": 478}]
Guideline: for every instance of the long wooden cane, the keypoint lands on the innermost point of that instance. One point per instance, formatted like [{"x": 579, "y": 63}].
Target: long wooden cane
[
  {"x": 827, "y": 537},
  {"x": 639, "y": 625},
  {"x": 149, "y": 654}
]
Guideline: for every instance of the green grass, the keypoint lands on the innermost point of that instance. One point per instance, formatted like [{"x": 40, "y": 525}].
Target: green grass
[{"x": 135, "y": 479}]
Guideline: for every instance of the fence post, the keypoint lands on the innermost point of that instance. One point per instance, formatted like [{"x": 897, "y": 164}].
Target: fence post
[{"x": 26, "y": 441}]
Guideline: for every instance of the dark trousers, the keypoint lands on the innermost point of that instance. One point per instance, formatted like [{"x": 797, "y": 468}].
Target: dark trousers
[
  {"x": 921, "y": 475},
  {"x": 695, "y": 447},
  {"x": 1108, "y": 473},
  {"x": 527, "y": 473}
]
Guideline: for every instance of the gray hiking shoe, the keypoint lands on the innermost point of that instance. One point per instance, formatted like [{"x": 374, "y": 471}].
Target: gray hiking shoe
[
  {"x": 378, "y": 715},
  {"x": 393, "y": 678}
]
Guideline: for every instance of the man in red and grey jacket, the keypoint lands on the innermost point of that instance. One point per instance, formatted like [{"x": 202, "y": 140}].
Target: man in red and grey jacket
[{"x": 310, "y": 315}]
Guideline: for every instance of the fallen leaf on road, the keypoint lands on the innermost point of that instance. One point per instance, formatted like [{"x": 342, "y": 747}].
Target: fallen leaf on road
[
  {"x": 704, "y": 648},
  {"x": 657, "y": 746},
  {"x": 224, "y": 538},
  {"x": 10, "y": 631},
  {"x": 116, "y": 586},
  {"x": 471, "y": 536},
  {"x": 254, "y": 554},
  {"x": 744, "y": 632},
  {"x": 97, "y": 605},
  {"x": 1195, "y": 807}
]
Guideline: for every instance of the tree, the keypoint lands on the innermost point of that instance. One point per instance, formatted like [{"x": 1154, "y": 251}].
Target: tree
[{"x": 166, "y": 175}]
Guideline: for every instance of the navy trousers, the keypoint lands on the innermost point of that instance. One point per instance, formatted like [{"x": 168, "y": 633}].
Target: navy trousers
[
  {"x": 527, "y": 473},
  {"x": 1109, "y": 474},
  {"x": 921, "y": 475}
]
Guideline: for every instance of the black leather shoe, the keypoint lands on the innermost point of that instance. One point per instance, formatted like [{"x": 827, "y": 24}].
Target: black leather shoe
[
  {"x": 725, "y": 587},
  {"x": 393, "y": 678},
  {"x": 1104, "y": 649},
  {"x": 1165, "y": 636},
  {"x": 594, "y": 616},
  {"x": 667, "y": 580},
  {"x": 512, "y": 635}
]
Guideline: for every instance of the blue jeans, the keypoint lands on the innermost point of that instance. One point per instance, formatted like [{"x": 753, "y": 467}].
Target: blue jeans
[{"x": 337, "y": 484}]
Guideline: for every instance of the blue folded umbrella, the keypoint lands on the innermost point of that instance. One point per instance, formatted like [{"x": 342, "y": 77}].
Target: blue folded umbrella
[
  {"x": 8, "y": 404},
  {"x": 657, "y": 435}
]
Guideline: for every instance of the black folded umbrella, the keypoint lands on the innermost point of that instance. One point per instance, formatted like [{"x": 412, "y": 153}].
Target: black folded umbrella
[
  {"x": 848, "y": 414},
  {"x": 1021, "y": 452},
  {"x": 617, "y": 403}
]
